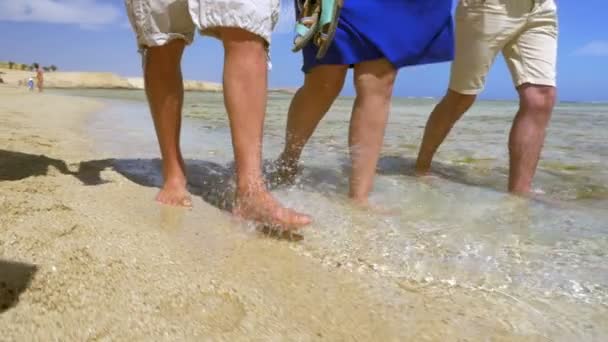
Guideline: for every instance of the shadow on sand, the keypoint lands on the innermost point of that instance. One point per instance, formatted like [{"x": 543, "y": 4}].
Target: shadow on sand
[
  {"x": 15, "y": 278},
  {"x": 211, "y": 181},
  {"x": 214, "y": 182}
]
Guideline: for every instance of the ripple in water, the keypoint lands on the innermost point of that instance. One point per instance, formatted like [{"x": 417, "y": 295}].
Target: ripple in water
[{"x": 544, "y": 259}]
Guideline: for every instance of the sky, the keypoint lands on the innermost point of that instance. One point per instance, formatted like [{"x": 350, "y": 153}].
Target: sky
[{"x": 95, "y": 35}]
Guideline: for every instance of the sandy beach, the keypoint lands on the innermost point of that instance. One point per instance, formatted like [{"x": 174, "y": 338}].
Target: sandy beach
[
  {"x": 100, "y": 264},
  {"x": 86, "y": 254},
  {"x": 105, "y": 262}
]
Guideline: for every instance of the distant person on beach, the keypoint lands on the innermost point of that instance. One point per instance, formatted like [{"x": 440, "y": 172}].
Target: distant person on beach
[
  {"x": 163, "y": 29},
  {"x": 376, "y": 38},
  {"x": 30, "y": 84},
  {"x": 40, "y": 79},
  {"x": 526, "y": 33}
]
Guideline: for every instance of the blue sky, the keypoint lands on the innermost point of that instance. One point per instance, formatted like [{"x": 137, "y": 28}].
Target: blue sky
[{"x": 94, "y": 35}]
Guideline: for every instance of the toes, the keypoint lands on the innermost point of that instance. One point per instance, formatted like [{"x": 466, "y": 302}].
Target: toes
[
  {"x": 291, "y": 219},
  {"x": 300, "y": 219},
  {"x": 265, "y": 210},
  {"x": 175, "y": 201},
  {"x": 161, "y": 199},
  {"x": 186, "y": 202}
]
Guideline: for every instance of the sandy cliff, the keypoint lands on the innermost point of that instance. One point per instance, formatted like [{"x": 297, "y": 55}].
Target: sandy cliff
[{"x": 104, "y": 80}]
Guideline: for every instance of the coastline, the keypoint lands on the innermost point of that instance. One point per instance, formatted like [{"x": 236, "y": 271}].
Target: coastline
[
  {"x": 102, "y": 80},
  {"x": 91, "y": 256}
]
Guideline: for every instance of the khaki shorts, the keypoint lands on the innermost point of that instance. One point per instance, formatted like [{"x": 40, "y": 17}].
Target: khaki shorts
[
  {"x": 524, "y": 30},
  {"x": 156, "y": 22}
]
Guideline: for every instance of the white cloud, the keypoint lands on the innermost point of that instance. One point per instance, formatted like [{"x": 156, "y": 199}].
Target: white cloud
[
  {"x": 86, "y": 13},
  {"x": 596, "y": 48}
]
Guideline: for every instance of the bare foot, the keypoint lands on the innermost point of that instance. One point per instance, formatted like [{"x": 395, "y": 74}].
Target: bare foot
[
  {"x": 422, "y": 171},
  {"x": 174, "y": 193},
  {"x": 261, "y": 207},
  {"x": 425, "y": 175},
  {"x": 359, "y": 202},
  {"x": 363, "y": 204}
]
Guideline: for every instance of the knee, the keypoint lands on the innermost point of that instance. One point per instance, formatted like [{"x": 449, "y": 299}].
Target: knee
[
  {"x": 332, "y": 87},
  {"x": 237, "y": 39},
  {"x": 375, "y": 79},
  {"x": 326, "y": 83},
  {"x": 233, "y": 34},
  {"x": 537, "y": 100},
  {"x": 380, "y": 88},
  {"x": 458, "y": 103},
  {"x": 165, "y": 59}
]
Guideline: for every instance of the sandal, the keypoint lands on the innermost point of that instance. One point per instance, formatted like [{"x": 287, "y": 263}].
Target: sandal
[
  {"x": 330, "y": 13},
  {"x": 308, "y": 23}
]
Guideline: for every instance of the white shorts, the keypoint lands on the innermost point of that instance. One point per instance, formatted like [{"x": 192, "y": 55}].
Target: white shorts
[
  {"x": 524, "y": 30},
  {"x": 156, "y": 22}
]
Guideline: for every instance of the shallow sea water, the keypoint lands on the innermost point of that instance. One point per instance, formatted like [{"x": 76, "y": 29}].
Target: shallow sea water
[{"x": 540, "y": 266}]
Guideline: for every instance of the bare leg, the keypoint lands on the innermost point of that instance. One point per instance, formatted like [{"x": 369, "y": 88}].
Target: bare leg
[
  {"x": 245, "y": 90},
  {"x": 310, "y": 103},
  {"x": 449, "y": 110},
  {"x": 528, "y": 135},
  {"x": 374, "y": 85},
  {"x": 164, "y": 89}
]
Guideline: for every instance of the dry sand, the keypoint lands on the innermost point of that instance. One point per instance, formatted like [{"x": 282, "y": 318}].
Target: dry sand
[{"x": 86, "y": 254}]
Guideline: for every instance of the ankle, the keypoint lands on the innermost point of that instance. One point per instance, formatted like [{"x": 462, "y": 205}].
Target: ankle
[
  {"x": 359, "y": 201},
  {"x": 520, "y": 190},
  {"x": 422, "y": 167},
  {"x": 358, "y": 196},
  {"x": 250, "y": 187},
  {"x": 174, "y": 176},
  {"x": 289, "y": 158},
  {"x": 175, "y": 181},
  {"x": 174, "y": 171}
]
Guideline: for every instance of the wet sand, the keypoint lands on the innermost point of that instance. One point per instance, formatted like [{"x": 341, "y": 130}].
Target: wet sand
[{"x": 86, "y": 254}]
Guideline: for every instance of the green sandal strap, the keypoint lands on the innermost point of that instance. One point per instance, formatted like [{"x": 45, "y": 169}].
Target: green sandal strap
[
  {"x": 302, "y": 30},
  {"x": 306, "y": 27},
  {"x": 328, "y": 12},
  {"x": 328, "y": 23}
]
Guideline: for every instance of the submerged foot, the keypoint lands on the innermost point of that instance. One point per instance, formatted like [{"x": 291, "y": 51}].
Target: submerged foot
[
  {"x": 365, "y": 205},
  {"x": 286, "y": 170},
  {"x": 360, "y": 202},
  {"x": 259, "y": 206},
  {"x": 421, "y": 171},
  {"x": 424, "y": 174},
  {"x": 174, "y": 193}
]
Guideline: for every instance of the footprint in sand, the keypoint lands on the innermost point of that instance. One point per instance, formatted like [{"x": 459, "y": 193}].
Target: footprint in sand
[{"x": 219, "y": 312}]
